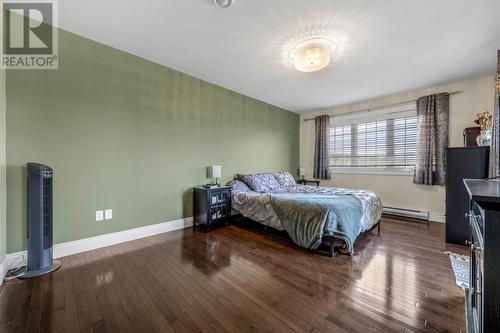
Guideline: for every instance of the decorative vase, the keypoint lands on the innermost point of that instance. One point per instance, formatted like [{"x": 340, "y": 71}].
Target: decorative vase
[{"x": 484, "y": 139}]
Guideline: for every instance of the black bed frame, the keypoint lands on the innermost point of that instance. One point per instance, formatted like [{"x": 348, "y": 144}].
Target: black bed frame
[{"x": 329, "y": 242}]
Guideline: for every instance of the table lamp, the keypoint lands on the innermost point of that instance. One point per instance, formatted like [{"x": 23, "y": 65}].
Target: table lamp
[{"x": 215, "y": 172}]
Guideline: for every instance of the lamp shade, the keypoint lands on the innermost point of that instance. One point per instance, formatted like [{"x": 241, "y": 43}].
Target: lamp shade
[
  {"x": 215, "y": 171},
  {"x": 302, "y": 171}
]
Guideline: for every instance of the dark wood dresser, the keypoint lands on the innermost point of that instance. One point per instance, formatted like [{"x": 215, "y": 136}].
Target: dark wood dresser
[
  {"x": 483, "y": 296},
  {"x": 211, "y": 205},
  {"x": 461, "y": 163}
]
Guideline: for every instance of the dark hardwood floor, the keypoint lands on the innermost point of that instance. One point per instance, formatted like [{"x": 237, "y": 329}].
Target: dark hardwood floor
[{"x": 238, "y": 279}]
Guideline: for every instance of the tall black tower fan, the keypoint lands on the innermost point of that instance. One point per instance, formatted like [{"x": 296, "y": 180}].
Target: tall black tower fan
[{"x": 40, "y": 190}]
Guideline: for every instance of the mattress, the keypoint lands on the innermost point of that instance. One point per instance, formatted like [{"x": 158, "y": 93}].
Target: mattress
[{"x": 257, "y": 206}]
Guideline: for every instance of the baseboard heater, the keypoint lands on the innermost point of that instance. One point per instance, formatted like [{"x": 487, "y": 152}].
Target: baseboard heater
[{"x": 415, "y": 214}]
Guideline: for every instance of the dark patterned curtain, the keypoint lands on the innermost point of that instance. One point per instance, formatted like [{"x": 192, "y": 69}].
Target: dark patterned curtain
[
  {"x": 495, "y": 142},
  {"x": 322, "y": 147},
  {"x": 432, "y": 139}
]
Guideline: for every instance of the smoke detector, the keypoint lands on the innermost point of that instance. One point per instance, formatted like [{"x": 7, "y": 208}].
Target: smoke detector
[{"x": 223, "y": 3}]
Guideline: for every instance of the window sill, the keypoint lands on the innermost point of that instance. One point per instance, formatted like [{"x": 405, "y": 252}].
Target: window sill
[{"x": 374, "y": 171}]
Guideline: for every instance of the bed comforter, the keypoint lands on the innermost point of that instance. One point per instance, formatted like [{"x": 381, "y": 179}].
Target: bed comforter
[{"x": 331, "y": 217}]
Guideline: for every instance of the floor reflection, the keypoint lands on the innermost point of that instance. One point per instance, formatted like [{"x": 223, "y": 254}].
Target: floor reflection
[
  {"x": 104, "y": 278},
  {"x": 204, "y": 251}
]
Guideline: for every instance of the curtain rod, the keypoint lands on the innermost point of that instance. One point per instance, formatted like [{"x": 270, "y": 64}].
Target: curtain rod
[{"x": 383, "y": 106}]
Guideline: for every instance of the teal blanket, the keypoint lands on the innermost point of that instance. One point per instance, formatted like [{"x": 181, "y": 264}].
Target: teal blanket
[{"x": 306, "y": 217}]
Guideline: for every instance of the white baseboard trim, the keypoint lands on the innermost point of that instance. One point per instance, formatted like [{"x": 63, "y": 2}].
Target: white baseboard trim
[
  {"x": 91, "y": 243},
  {"x": 436, "y": 217}
]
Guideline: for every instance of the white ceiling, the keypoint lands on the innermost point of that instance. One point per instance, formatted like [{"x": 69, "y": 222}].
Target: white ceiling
[{"x": 389, "y": 46}]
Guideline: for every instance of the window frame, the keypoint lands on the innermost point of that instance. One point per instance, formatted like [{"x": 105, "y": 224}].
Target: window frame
[{"x": 366, "y": 116}]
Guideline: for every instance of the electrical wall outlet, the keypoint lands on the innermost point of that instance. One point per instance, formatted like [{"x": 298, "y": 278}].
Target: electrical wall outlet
[
  {"x": 99, "y": 215},
  {"x": 108, "y": 214}
]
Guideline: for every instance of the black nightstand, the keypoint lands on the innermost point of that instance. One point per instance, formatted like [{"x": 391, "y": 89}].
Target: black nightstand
[
  {"x": 306, "y": 181},
  {"x": 211, "y": 205}
]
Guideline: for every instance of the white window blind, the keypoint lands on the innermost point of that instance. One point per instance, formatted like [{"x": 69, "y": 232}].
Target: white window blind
[{"x": 383, "y": 139}]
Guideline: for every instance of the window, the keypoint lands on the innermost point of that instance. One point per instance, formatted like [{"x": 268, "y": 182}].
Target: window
[{"x": 383, "y": 140}]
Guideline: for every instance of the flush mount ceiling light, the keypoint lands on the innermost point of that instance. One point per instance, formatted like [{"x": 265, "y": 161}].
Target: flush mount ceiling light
[
  {"x": 312, "y": 54},
  {"x": 223, "y": 3}
]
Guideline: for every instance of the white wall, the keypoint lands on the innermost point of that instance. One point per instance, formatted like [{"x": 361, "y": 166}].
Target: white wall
[{"x": 399, "y": 191}]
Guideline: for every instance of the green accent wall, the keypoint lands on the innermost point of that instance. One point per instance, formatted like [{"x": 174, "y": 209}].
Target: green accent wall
[
  {"x": 3, "y": 224},
  {"x": 124, "y": 133}
]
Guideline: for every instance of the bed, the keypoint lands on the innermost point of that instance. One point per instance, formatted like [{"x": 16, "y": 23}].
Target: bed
[{"x": 310, "y": 215}]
